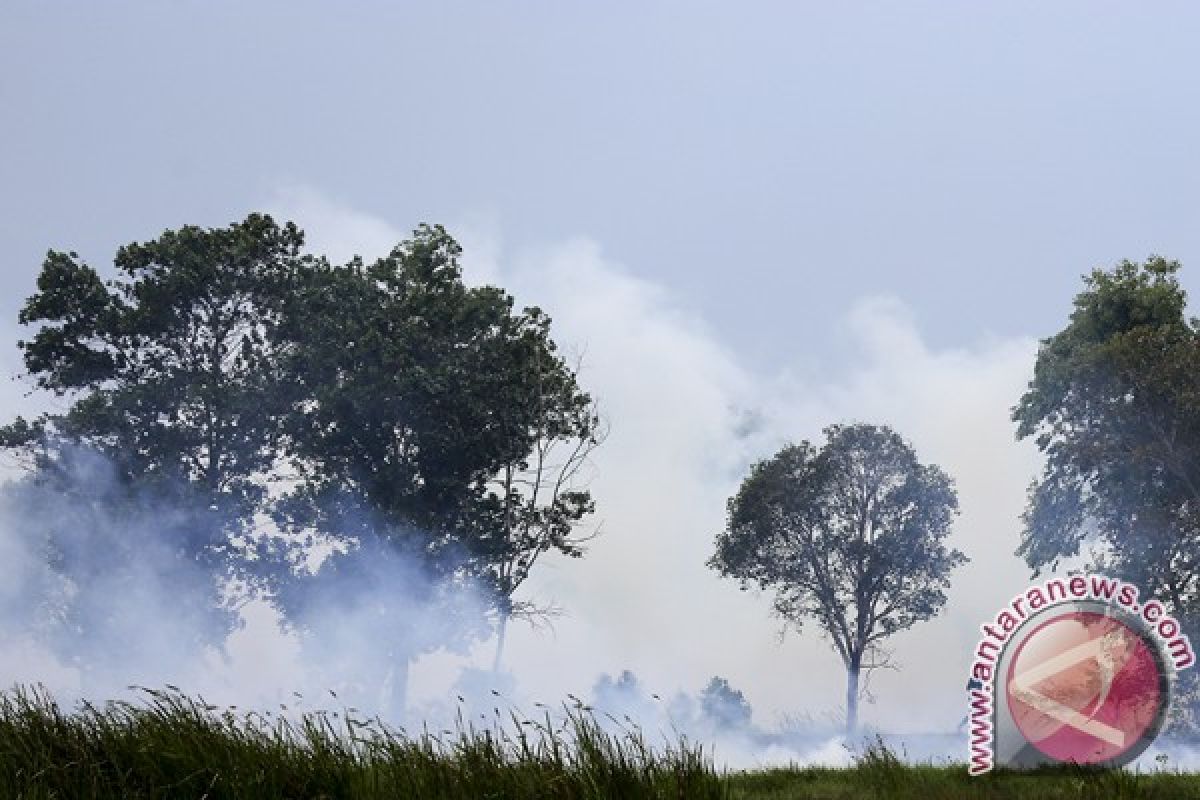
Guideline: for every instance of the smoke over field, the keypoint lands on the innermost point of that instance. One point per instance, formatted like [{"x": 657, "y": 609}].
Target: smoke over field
[
  {"x": 96, "y": 599},
  {"x": 96, "y": 607}
]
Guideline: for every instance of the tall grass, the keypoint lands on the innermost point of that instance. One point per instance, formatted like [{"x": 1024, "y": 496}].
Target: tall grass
[
  {"x": 169, "y": 745},
  {"x": 173, "y": 746}
]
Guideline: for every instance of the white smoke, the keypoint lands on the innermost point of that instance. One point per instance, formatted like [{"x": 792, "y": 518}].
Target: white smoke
[{"x": 687, "y": 418}]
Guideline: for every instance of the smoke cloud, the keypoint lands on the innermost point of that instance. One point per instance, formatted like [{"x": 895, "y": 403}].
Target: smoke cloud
[{"x": 687, "y": 417}]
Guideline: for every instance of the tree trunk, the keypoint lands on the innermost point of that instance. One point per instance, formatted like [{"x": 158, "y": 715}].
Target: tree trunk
[
  {"x": 501, "y": 631},
  {"x": 852, "y": 699}
]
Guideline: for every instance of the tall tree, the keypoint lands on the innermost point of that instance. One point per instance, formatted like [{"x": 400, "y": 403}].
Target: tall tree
[
  {"x": 850, "y": 535},
  {"x": 421, "y": 396},
  {"x": 170, "y": 373},
  {"x": 1114, "y": 405}
]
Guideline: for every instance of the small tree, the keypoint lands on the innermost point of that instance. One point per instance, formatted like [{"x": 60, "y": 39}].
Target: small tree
[
  {"x": 725, "y": 706},
  {"x": 620, "y": 693},
  {"x": 851, "y": 535}
]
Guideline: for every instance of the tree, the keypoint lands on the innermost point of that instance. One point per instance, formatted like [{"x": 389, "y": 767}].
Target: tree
[
  {"x": 724, "y": 706},
  {"x": 851, "y": 536},
  {"x": 170, "y": 366},
  {"x": 620, "y": 695},
  {"x": 1114, "y": 405},
  {"x": 171, "y": 375},
  {"x": 105, "y": 574},
  {"x": 420, "y": 398},
  {"x": 535, "y": 501}
]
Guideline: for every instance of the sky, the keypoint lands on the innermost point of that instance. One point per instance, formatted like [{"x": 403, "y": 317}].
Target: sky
[{"x": 751, "y": 220}]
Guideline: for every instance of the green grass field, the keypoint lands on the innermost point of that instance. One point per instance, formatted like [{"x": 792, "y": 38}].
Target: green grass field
[{"x": 172, "y": 746}]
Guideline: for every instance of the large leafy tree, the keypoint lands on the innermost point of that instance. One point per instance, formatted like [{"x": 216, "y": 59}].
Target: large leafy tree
[
  {"x": 170, "y": 366},
  {"x": 426, "y": 404},
  {"x": 850, "y": 535},
  {"x": 1114, "y": 405},
  {"x": 437, "y": 432},
  {"x": 170, "y": 375}
]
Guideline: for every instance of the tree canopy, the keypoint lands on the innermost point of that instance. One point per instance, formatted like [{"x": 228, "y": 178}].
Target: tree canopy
[
  {"x": 424, "y": 416},
  {"x": 1114, "y": 405},
  {"x": 386, "y": 412},
  {"x": 170, "y": 367},
  {"x": 850, "y": 535}
]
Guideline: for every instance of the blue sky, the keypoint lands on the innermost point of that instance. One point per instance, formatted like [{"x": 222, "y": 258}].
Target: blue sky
[
  {"x": 797, "y": 213},
  {"x": 768, "y": 162}
]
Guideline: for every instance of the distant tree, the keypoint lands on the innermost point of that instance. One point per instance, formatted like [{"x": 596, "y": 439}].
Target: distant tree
[
  {"x": 851, "y": 535},
  {"x": 725, "y": 706},
  {"x": 427, "y": 413},
  {"x": 623, "y": 690},
  {"x": 1114, "y": 405}
]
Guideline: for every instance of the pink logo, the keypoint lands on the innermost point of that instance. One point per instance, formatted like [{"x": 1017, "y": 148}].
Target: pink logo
[{"x": 1085, "y": 687}]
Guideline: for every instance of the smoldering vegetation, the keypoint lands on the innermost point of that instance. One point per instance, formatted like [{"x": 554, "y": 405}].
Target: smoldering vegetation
[
  {"x": 279, "y": 484},
  {"x": 96, "y": 605},
  {"x": 265, "y": 478},
  {"x": 166, "y": 745}
]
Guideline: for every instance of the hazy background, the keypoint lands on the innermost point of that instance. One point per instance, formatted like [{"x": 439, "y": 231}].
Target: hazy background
[{"x": 751, "y": 219}]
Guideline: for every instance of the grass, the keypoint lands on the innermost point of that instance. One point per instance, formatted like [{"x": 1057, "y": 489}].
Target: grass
[
  {"x": 878, "y": 773},
  {"x": 172, "y": 746}
]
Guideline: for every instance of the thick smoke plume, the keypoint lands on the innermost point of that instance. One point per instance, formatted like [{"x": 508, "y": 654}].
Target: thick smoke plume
[
  {"x": 688, "y": 416},
  {"x": 103, "y": 593}
]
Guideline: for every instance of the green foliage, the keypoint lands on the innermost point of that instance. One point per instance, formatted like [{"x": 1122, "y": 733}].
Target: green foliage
[
  {"x": 1115, "y": 407},
  {"x": 427, "y": 414},
  {"x": 169, "y": 367},
  {"x": 418, "y": 391},
  {"x": 171, "y": 746},
  {"x": 881, "y": 776},
  {"x": 424, "y": 419},
  {"x": 851, "y": 535}
]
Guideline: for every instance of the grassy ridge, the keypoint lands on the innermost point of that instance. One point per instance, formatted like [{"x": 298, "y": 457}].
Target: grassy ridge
[{"x": 172, "y": 746}]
